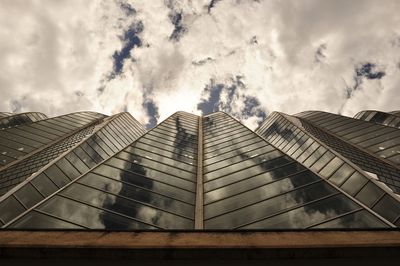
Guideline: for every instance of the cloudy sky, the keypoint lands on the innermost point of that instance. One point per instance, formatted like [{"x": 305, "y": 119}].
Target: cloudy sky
[{"x": 152, "y": 58}]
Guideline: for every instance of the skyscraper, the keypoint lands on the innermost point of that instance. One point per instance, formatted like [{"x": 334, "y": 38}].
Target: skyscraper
[
  {"x": 89, "y": 171},
  {"x": 281, "y": 191}
]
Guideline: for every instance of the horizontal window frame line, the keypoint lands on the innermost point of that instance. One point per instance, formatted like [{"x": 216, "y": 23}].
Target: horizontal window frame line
[
  {"x": 158, "y": 137},
  {"x": 367, "y": 130},
  {"x": 274, "y": 168},
  {"x": 167, "y": 127},
  {"x": 137, "y": 186},
  {"x": 117, "y": 156},
  {"x": 283, "y": 155},
  {"x": 224, "y": 144},
  {"x": 172, "y": 133},
  {"x": 18, "y": 142},
  {"x": 392, "y": 155},
  {"x": 106, "y": 210},
  {"x": 265, "y": 184},
  {"x": 392, "y": 146},
  {"x": 139, "y": 140},
  {"x": 7, "y": 147},
  {"x": 220, "y": 129},
  {"x": 239, "y": 154},
  {"x": 152, "y": 146},
  {"x": 21, "y": 128},
  {"x": 231, "y": 137},
  {"x": 209, "y": 135},
  {"x": 233, "y": 132},
  {"x": 378, "y": 199},
  {"x": 266, "y": 199},
  {"x": 333, "y": 218},
  {"x": 151, "y": 169},
  {"x": 61, "y": 219},
  {"x": 141, "y": 149},
  {"x": 219, "y": 154},
  {"x": 136, "y": 201},
  {"x": 185, "y": 125},
  {"x": 287, "y": 210},
  {"x": 244, "y": 160},
  {"x": 165, "y": 137}
]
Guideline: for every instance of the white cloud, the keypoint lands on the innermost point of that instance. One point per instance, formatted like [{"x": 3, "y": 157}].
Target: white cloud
[{"x": 49, "y": 50}]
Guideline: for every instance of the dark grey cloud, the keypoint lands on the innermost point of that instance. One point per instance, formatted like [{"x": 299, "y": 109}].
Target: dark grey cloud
[
  {"x": 152, "y": 112},
  {"x": 232, "y": 99},
  {"x": 211, "y": 5},
  {"x": 369, "y": 71},
  {"x": 211, "y": 104},
  {"x": 127, "y": 8},
  {"x": 131, "y": 40}
]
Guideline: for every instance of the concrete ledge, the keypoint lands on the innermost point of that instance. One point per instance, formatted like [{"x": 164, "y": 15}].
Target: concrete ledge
[
  {"x": 382, "y": 245},
  {"x": 176, "y": 239}
]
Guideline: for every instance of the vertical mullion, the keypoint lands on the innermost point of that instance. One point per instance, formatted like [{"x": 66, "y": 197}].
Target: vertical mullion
[{"x": 199, "y": 210}]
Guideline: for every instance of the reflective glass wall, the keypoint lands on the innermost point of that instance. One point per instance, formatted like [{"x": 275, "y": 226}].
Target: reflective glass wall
[{"x": 188, "y": 169}]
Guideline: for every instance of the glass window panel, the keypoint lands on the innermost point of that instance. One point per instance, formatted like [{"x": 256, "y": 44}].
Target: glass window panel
[
  {"x": 253, "y": 182},
  {"x": 369, "y": 194},
  {"x": 308, "y": 152},
  {"x": 341, "y": 174},
  {"x": 161, "y": 159},
  {"x": 228, "y": 143},
  {"x": 110, "y": 144},
  {"x": 44, "y": 184},
  {"x": 51, "y": 131},
  {"x": 234, "y": 137},
  {"x": 10, "y": 208},
  {"x": 388, "y": 208},
  {"x": 57, "y": 176},
  {"x": 127, "y": 207},
  {"x": 29, "y": 135},
  {"x": 231, "y": 151},
  {"x": 395, "y": 159},
  {"x": 84, "y": 157},
  {"x": 152, "y": 173},
  {"x": 38, "y": 132},
  {"x": 37, "y": 220},
  {"x": 308, "y": 214},
  {"x": 248, "y": 172},
  {"x": 331, "y": 167},
  {"x": 388, "y": 145},
  {"x": 88, "y": 216},
  {"x": 238, "y": 158},
  {"x": 28, "y": 195},
  {"x": 258, "y": 194},
  {"x": 102, "y": 145},
  {"x": 354, "y": 183},
  {"x": 242, "y": 165},
  {"x": 52, "y": 127},
  {"x": 68, "y": 169},
  {"x": 161, "y": 151},
  {"x": 140, "y": 195},
  {"x": 270, "y": 207},
  {"x": 76, "y": 162},
  {"x": 314, "y": 156},
  {"x": 91, "y": 152},
  {"x": 11, "y": 152},
  {"x": 322, "y": 161},
  {"x": 359, "y": 219},
  {"x": 16, "y": 141},
  {"x": 141, "y": 161}
]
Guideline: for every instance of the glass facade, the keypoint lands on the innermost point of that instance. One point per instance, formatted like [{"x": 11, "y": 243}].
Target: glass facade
[{"x": 190, "y": 173}]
